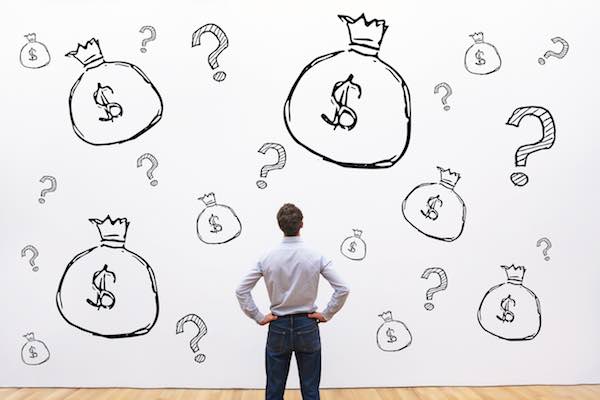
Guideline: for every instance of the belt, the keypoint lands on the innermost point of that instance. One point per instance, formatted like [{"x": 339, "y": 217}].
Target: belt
[{"x": 293, "y": 315}]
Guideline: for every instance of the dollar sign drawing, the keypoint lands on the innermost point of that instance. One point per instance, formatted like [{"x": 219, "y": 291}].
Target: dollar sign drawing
[
  {"x": 352, "y": 247},
  {"x": 104, "y": 298},
  {"x": 507, "y": 316},
  {"x": 32, "y": 352},
  {"x": 479, "y": 57},
  {"x": 216, "y": 228},
  {"x": 432, "y": 203},
  {"x": 112, "y": 109},
  {"x": 32, "y": 56},
  {"x": 344, "y": 117},
  {"x": 390, "y": 334}
]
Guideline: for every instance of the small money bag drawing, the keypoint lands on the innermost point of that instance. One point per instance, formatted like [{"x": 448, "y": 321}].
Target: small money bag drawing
[
  {"x": 354, "y": 247},
  {"x": 392, "y": 335},
  {"x": 482, "y": 58},
  {"x": 109, "y": 290},
  {"x": 349, "y": 107},
  {"x": 217, "y": 223},
  {"x": 112, "y": 101},
  {"x": 510, "y": 310},
  {"x": 34, "y": 352},
  {"x": 435, "y": 209},
  {"x": 34, "y": 54}
]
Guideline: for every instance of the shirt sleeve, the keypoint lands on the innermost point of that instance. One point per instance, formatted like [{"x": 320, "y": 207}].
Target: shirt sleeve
[
  {"x": 245, "y": 297},
  {"x": 340, "y": 290}
]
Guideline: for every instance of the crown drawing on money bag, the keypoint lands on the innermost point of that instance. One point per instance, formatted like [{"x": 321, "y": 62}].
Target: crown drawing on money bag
[
  {"x": 349, "y": 107},
  {"x": 217, "y": 223},
  {"x": 108, "y": 290},
  {"x": 510, "y": 310}
]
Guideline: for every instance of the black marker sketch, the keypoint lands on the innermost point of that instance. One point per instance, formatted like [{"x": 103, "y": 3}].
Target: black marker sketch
[
  {"x": 34, "y": 352},
  {"x": 281, "y": 159},
  {"x": 349, "y": 107},
  {"x": 34, "y": 254},
  {"x": 196, "y": 320},
  {"x": 212, "y": 57},
  {"x": 148, "y": 39},
  {"x": 482, "y": 58},
  {"x": 563, "y": 52},
  {"x": 441, "y": 287},
  {"x": 392, "y": 335},
  {"x": 436, "y": 90},
  {"x": 546, "y": 248},
  {"x": 435, "y": 209},
  {"x": 546, "y": 142},
  {"x": 153, "y": 161},
  {"x": 51, "y": 189},
  {"x": 109, "y": 290},
  {"x": 112, "y": 101},
  {"x": 217, "y": 223},
  {"x": 34, "y": 54},
  {"x": 511, "y": 311},
  {"x": 354, "y": 247}
]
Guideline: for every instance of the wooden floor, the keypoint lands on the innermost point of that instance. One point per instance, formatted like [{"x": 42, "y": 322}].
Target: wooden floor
[{"x": 581, "y": 392}]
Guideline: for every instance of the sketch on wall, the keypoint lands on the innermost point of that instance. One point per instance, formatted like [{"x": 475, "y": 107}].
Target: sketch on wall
[
  {"x": 34, "y": 54},
  {"x": 349, "y": 107},
  {"x": 482, "y": 58},
  {"x": 281, "y": 160},
  {"x": 202, "y": 330},
  {"x": 151, "y": 38},
  {"x": 34, "y": 351},
  {"x": 550, "y": 53},
  {"x": 392, "y": 335},
  {"x": 510, "y": 310},
  {"x": 153, "y": 166},
  {"x": 217, "y": 223},
  {"x": 108, "y": 290},
  {"x": 34, "y": 254},
  {"x": 439, "y": 288},
  {"x": 354, "y": 247},
  {"x": 218, "y": 33},
  {"x": 112, "y": 101},
  {"x": 448, "y": 89},
  {"x": 435, "y": 209},
  {"x": 548, "y": 244},
  {"x": 45, "y": 191}
]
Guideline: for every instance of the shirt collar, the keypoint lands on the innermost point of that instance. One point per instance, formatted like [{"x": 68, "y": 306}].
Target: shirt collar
[{"x": 292, "y": 239}]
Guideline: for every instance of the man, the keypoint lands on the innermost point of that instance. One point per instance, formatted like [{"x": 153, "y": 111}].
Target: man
[{"x": 291, "y": 272}]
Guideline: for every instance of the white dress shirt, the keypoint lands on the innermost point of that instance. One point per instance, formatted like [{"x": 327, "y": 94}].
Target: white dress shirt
[{"x": 291, "y": 272}]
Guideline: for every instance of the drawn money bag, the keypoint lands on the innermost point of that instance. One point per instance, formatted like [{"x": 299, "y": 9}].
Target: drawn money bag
[
  {"x": 111, "y": 102},
  {"x": 217, "y": 223},
  {"x": 34, "y": 352},
  {"x": 482, "y": 58},
  {"x": 510, "y": 310},
  {"x": 392, "y": 335},
  {"x": 109, "y": 290},
  {"x": 350, "y": 107},
  {"x": 435, "y": 209},
  {"x": 34, "y": 54},
  {"x": 354, "y": 247}
]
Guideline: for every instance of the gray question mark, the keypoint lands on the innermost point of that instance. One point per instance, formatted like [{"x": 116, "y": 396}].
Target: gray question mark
[
  {"x": 52, "y": 187},
  {"x": 442, "y": 286},
  {"x": 212, "y": 57},
  {"x": 34, "y": 255},
  {"x": 271, "y": 167},
  {"x": 196, "y": 320},
  {"x": 548, "y": 247},
  {"x": 154, "y": 161},
  {"x": 563, "y": 51},
  {"x": 436, "y": 90},
  {"x": 146, "y": 40}
]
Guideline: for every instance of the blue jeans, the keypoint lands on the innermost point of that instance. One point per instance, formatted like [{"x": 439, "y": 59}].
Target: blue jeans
[{"x": 299, "y": 334}]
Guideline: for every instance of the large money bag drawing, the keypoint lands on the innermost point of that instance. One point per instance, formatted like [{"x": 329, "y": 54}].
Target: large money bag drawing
[
  {"x": 482, "y": 58},
  {"x": 350, "y": 107},
  {"x": 510, "y": 310},
  {"x": 435, "y": 209},
  {"x": 354, "y": 247},
  {"x": 34, "y": 54},
  {"x": 217, "y": 223},
  {"x": 34, "y": 352},
  {"x": 109, "y": 290},
  {"x": 112, "y": 101},
  {"x": 392, "y": 335}
]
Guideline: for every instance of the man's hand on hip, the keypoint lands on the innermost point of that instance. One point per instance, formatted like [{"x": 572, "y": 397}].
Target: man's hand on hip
[
  {"x": 267, "y": 319},
  {"x": 318, "y": 316}
]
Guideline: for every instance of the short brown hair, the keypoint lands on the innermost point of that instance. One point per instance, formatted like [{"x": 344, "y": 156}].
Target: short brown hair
[{"x": 289, "y": 218}]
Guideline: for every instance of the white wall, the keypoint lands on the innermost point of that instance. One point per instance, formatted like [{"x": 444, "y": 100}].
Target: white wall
[{"x": 207, "y": 141}]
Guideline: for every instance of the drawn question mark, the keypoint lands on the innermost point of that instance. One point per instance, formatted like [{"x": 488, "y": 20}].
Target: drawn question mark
[
  {"x": 52, "y": 187},
  {"x": 35, "y": 254},
  {"x": 271, "y": 167},
  {"x": 212, "y": 57},
  {"x": 146, "y": 40},
  {"x": 548, "y": 247},
  {"x": 442, "y": 286},
  {"x": 436, "y": 90},
  {"x": 563, "y": 51},
  {"x": 547, "y": 140},
  {"x": 196, "y": 320},
  {"x": 154, "y": 161}
]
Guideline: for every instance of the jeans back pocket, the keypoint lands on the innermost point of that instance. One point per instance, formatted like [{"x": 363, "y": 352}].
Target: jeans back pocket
[
  {"x": 307, "y": 341},
  {"x": 276, "y": 340}
]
